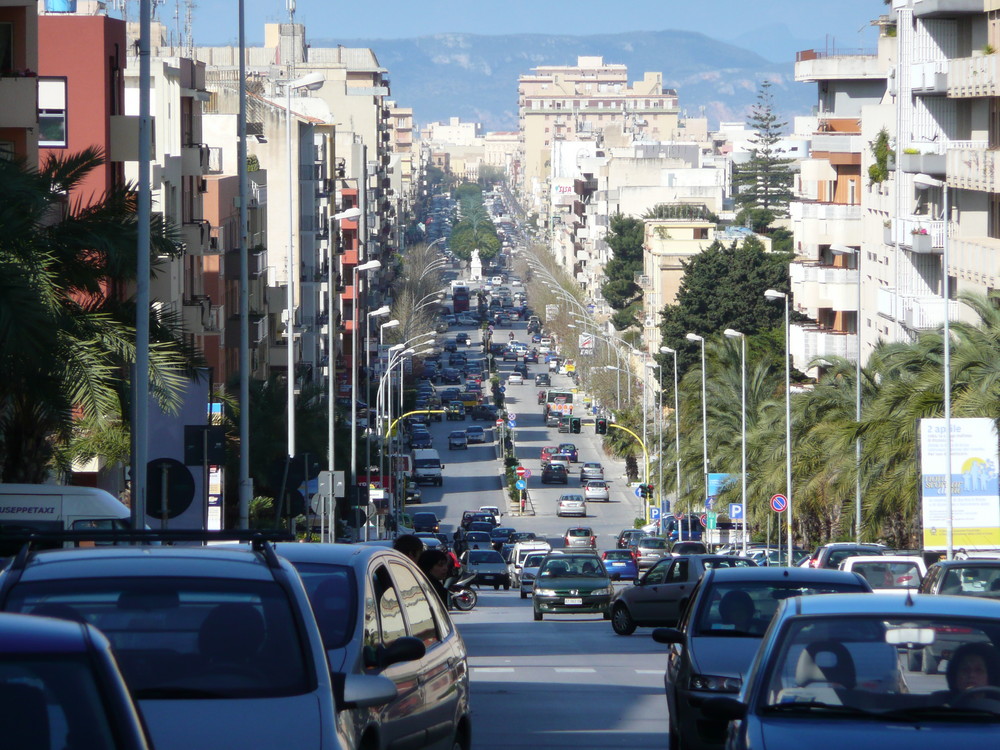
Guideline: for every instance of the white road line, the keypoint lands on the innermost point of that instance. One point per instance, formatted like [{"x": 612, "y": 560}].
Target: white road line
[
  {"x": 649, "y": 671},
  {"x": 576, "y": 670},
  {"x": 492, "y": 670}
]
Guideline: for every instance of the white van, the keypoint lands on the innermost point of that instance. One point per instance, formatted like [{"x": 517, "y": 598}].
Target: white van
[
  {"x": 50, "y": 507},
  {"x": 521, "y": 551},
  {"x": 427, "y": 467}
]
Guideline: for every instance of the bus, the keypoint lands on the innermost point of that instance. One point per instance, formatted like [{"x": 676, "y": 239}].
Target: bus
[
  {"x": 460, "y": 299},
  {"x": 560, "y": 401}
]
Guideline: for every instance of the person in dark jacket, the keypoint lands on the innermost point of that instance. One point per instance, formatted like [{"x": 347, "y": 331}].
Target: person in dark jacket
[{"x": 436, "y": 567}]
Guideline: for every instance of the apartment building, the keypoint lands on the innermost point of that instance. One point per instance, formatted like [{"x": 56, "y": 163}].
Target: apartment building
[
  {"x": 19, "y": 121},
  {"x": 577, "y": 102}
]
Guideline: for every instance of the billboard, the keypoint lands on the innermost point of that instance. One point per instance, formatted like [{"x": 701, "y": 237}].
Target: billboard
[{"x": 975, "y": 514}]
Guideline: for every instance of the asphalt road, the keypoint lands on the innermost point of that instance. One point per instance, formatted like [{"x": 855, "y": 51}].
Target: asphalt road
[{"x": 567, "y": 681}]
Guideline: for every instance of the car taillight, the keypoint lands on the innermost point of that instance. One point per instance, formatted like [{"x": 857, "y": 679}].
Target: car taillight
[{"x": 593, "y": 540}]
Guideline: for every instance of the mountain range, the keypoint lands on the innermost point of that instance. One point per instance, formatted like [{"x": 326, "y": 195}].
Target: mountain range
[{"x": 474, "y": 77}]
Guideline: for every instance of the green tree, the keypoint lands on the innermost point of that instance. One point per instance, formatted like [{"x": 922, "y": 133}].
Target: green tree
[
  {"x": 625, "y": 238},
  {"x": 765, "y": 180},
  {"x": 67, "y": 329}
]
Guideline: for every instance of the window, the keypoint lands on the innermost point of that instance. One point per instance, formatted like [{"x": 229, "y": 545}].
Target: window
[
  {"x": 52, "y": 112},
  {"x": 657, "y": 574},
  {"x": 418, "y": 609},
  {"x": 6, "y": 46},
  {"x": 390, "y": 613},
  {"x": 679, "y": 572}
]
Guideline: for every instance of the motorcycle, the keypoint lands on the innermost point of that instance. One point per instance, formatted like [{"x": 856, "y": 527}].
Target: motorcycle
[{"x": 461, "y": 595}]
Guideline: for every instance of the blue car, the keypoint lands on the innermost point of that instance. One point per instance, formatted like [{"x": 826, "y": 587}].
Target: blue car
[{"x": 620, "y": 564}]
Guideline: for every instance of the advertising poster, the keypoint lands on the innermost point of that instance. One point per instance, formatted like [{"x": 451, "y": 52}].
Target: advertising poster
[{"x": 975, "y": 514}]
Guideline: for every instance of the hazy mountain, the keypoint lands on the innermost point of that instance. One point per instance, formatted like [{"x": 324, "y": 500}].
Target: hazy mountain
[
  {"x": 475, "y": 77},
  {"x": 775, "y": 42}
]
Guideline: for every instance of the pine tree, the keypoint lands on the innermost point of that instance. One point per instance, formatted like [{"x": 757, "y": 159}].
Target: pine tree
[{"x": 765, "y": 181}]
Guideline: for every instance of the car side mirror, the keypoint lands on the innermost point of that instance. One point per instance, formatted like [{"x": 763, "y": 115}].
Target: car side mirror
[
  {"x": 668, "y": 636},
  {"x": 724, "y": 709},
  {"x": 442, "y": 467},
  {"x": 406, "y": 648},
  {"x": 362, "y": 690}
]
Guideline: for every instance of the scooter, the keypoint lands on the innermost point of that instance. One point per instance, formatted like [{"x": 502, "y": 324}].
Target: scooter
[{"x": 461, "y": 595}]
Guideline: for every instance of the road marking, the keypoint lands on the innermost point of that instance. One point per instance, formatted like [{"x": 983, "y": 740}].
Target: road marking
[
  {"x": 492, "y": 670},
  {"x": 649, "y": 671},
  {"x": 576, "y": 670}
]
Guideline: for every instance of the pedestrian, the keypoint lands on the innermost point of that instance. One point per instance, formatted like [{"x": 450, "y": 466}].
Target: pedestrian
[
  {"x": 436, "y": 566},
  {"x": 410, "y": 545}
]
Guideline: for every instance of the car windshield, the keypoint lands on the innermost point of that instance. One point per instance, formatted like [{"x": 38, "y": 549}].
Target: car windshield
[
  {"x": 889, "y": 575},
  {"x": 744, "y": 608},
  {"x": 477, "y": 536},
  {"x": 476, "y": 557},
  {"x": 972, "y": 580},
  {"x": 481, "y": 526},
  {"x": 874, "y": 666},
  {"x": 652, "y": 542},
  {"x": 728, "y": 562},
  {"x": 67, "y": 706},
  {"x": 618, "y": 554},
  {"x": 533, "y": 561},
  {"x": 185, "y": 637},
  {"x": 579, "y": 532},
  {"x": 333, "y": 597},
  {"x": 573, "y": 566}
]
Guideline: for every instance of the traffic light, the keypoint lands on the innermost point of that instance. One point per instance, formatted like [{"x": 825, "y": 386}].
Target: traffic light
[
  {"x": 645, "y": 490},
  {"x": 574, "y": 424},
  {"x": 602, "y": 426}
]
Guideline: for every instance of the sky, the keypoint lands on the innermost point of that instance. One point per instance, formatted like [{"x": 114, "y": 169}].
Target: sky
[{"x": 215, "y": 20}]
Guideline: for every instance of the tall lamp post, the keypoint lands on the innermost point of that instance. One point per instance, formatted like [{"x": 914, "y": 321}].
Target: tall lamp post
[
  {"x": 773, "y": 294},
  {"x": 856, "y": 252},
  {"x": 734, "y": 334},
  {"x": 704, "y": 409},
  {"x": 677, "y": 425},
  {"x": 353, "y": 473},
  {"x": 922, "y": 182},
  {"x": 310, "y": 82}
]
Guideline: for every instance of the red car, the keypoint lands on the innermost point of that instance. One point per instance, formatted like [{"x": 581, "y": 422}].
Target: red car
[{"x": 547, "y": 452}]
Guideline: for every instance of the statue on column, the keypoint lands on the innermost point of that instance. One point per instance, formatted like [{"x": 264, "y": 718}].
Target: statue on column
[{"x": 475, "y": 267}]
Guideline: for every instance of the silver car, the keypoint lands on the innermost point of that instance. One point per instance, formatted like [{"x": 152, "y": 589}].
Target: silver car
[
  {"x": 529, "y": 571},
  {"x": 591, "y": 470},
  {"x": 488, "y": 566},
  {"x": 572, "y": 505},
  {"x": 596, "y": 489},
  {"x": 650, "y": 550}
]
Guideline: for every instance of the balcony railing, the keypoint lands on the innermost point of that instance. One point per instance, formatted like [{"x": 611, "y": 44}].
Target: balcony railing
[
  {"x": 974, "y": 76},
  {"x": 974, "y": 169},
  {"x": 918, "y": 233},
  {"x": 20, "y": 102},
  {"x": 929, "y": 77},
  {"x": 925, "y": 312},
  {"x": 817, "y": 210}
]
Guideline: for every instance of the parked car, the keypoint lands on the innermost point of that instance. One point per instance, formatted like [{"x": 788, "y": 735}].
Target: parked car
[
  {"x": 620, "y": 564},
  {"x": 475, "y": 434},
  {"x": 596, "y": 489},
  {"x": 580, "y": 536},
  {"x": 831, "y": 555},
  {"x": 487, "y": 566},
  {"x": 833, "y": 669},
  {"x": 889, "y": 574},
  {"x": 659, "y": 597},
  {"x": 555, "y": 474},
  {"x": 458, "y": 440},
  {"x": 591, "y": 470},
  {"x": 721, "y": 629},
  {"x": 62, "y": 687},
  {"x": 571, "y": 583},
  {"x": 571, "y": 505},
  {"x": 220, "y": 639}
]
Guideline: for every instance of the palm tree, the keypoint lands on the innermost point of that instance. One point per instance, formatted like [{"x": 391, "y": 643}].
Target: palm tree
[{"x": 66, "y": 330}]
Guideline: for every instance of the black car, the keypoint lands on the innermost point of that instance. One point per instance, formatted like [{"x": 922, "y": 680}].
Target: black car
[
  {"x": 487, "y": 412},
  {"x": 719, "y": 632},
  {"x": 463, "y": 339},
  {"x": 500, "y": 536},
  {"x": 521, "y": 368},
  {"x": 510, "y": 354},
  {"x": 451, "y": 376},
  {"x": 531, "y": 356},
  {"x": 542, "y": 379},
  {"x": 555, "y": 474},
  {"x": 425, "y": 522}
]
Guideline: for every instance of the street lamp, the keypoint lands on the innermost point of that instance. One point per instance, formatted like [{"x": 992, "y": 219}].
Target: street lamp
[
  {"x": 734, "y": 334},
  {"x": 379, "y": 313},
  {"x": 659, "y": 425},
  {"x": 856, "y": 252},
  {"x": 922, "y": 182},
  {"x": 371, "y": 265},
  {"x": 773, "y": 294},
  {"x": 704, "y": 411},
  {"x": 310, "y": 82},
  {"x": 677, "y": 424},
  {"x": 618, "y": 389}
]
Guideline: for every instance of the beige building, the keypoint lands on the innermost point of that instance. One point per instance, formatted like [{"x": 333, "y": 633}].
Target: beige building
[
  {"x": 500, "y": 150},
  {"x": 577, "y": 102}
]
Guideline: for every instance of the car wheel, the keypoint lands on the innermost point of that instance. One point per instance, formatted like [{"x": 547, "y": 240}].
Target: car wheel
[
  {"x": 496, "y": 586},
  {"x": 506, "y": 587},
  {"x": 621, "y": 621},
  {"x": 524, "y": 595},
  {"x": 538, "y": 615}
]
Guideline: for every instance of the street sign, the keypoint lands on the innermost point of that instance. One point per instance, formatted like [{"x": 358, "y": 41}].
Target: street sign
[
  {"x": 503, "y": 389},
  {"x": 499, "y": 422},
  {"x": 704, "y": 519},
  {"x": 735, "y": 511},
  {"x": 711, "y": 522},
  {"x": 679, "y": 516},
  {"x": 512, "y": 424},
  {"x": 665, "y": 507},
  {"x": 638, "y": 491},
  {"x": 521, "y": 484},
  {"x": 511, "y": 415},
  {"x": 778, "y": 503},
  {"x": 520, "y": 470},
  {"x": 654, "y": 514},
  {"x": 709, "y": 503},
  {"x": 527, "y": 473}
]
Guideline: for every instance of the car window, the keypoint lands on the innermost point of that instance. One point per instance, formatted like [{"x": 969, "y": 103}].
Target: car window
[
  {"x": 232, "y": 637},
  {"x": 333, "y": 596},
  {"x": 658, "y": 573},
  {"x": 727, "y": 562},
  {"x": 533, "y": 561},
  {"x": 972, "y": 580},
  {"x": 391, "y": 624},
  {"x": 653, "y": 543},
  {"x": 889, "y": 575},
  {"x": 579, "y": 532},
  {"x": 416, "y": 605},
  {"x": 484, "y": 556},
  {"x": 678, "y": 571}
]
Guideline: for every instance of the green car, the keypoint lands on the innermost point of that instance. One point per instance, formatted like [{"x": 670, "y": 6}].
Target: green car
[{"x": 572, "y": 583}]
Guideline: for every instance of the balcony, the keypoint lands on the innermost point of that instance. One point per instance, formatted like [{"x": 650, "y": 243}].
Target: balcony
[
  {"x": 195, "y": 235},
  {"x": 918, "y": 233},
  {"x": 826, "y": 223},
  {"x": 201, "y": 317},
  {"x": 918, "y": 313},
  {"x": 194, "y": 159},
  {"x": 838, "y": 143},
  {"x": 818, "y": 65},
  {"x": 975, "y": 259},
  {"x": 929, "y": 78},
  {"x": 923, "y": 163},
  {"x": 817, "y": 287},
  {"x": 946, "y": 8},
  {"x": 974, "y": 76},
  {"x": 974, "y": 169},
  {"x": 20, "y": 102},
  {"x": 811, "y": 342}
]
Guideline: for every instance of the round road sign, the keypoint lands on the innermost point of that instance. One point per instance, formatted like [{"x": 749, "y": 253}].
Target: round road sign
[
  {"x": 520, "y": 470},
  {"x": 778, "y": 503},
  {"x": 511, "y": 415},
  {"x": 704, "y": 519},
  {"x": 521, "y": 484},
  {"x": 527, "y": 473},
  {"x": 499, "y": 422},
  {"x": 512, "y": 424}
]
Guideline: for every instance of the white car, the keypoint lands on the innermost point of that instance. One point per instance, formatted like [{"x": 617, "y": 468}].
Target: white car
[
  {"x": 529, "y": 570},
  {"x": 458, "y": 440},
  {"x": 572, "y": 505},
  {"x": 515, "y": 378},
  {"x": 596, "y": 489},
  {"x": 888, "y": 574}
]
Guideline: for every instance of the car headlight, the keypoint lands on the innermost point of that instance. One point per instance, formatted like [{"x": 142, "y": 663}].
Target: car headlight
[
  {"x": 601, "y": 592},
  {"x": 715, "y": 683},
  {"x": 545, "y": 592}
]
